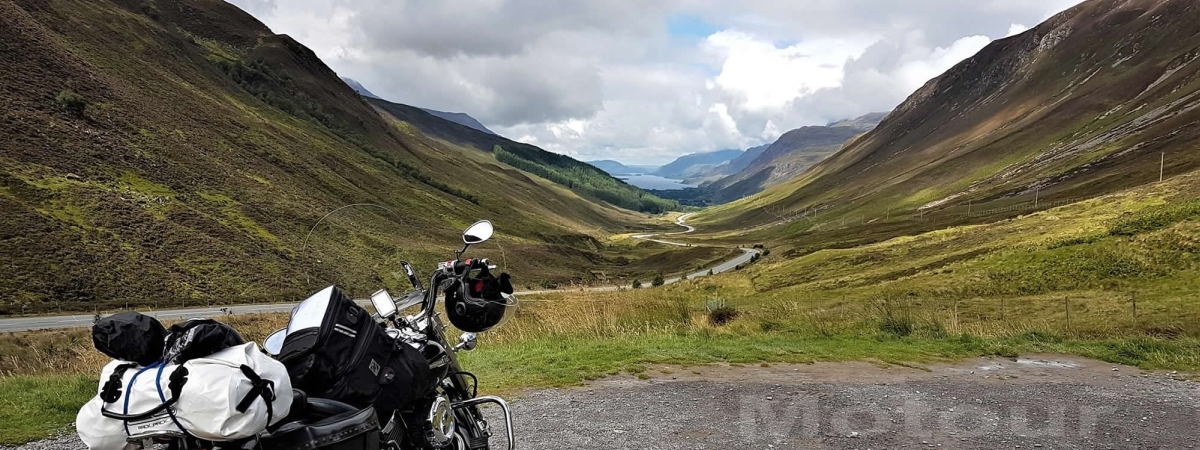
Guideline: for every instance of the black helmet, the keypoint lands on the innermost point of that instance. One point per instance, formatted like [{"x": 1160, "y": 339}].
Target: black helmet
[{"x": 479, "y": 303}]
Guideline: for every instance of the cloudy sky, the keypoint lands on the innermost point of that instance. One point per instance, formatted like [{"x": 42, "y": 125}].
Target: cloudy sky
[{"x": 643, "y": 82}]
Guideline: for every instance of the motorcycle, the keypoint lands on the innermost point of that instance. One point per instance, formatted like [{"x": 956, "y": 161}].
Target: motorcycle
[
  {"x": 446, "y": 417},
  {"x": 451, "y": 416}
]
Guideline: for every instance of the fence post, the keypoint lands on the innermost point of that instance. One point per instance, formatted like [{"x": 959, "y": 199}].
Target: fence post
[
  {"x": 1133, "y": 299},
  {"x": 1162, "y": 164},
  {"x": 1067, "y": 307},
  {"x": 1036, "y": 193}
]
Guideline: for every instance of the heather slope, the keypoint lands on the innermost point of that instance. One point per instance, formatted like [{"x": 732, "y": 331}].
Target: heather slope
[
  {"x": 179, "y": 151},
  {"x": 1083, "y": 104}
]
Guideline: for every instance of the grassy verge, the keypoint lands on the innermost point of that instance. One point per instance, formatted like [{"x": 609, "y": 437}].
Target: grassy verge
[
  {"x": 36, "y": 406},
  {"x": 565, "y": 362}
]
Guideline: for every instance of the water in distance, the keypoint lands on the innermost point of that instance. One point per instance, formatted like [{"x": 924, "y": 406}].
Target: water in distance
[{"x": 653, "y": 181}]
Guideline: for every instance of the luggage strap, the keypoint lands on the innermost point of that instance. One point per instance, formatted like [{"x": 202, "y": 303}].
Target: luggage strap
[
  {"x": 175, "y": 386},
  {"x": 261, "y": 388},
  {"x": 112, "y": 387},
  {"x": 178, "y": 378}
]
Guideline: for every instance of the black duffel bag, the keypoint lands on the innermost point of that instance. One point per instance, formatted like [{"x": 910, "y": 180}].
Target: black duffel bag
[
  {"x": 334, "y": 349},
  {"x": 130, "y": 336}
]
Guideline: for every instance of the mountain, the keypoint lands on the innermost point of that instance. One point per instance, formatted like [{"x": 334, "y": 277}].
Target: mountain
[
  {"x": 864, "y": 123},
  {"x": 579, "y": 176},
  {"x": 1088, "y": 102},
  {"x": 689, "y": 165},
  {"x": 460, "y": 118},
  {"x": 789, "y": 156},
  {"x": 735, "y": 165},
  {"x": 617, "y": 168},
  {"x": 358, "y": 87},
  {"x": 745, "y": 159},
  {"x": 180, "y": 152}
]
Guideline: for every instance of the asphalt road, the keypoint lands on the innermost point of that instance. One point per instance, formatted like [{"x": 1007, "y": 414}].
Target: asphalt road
[{"x": 86, "y": 320}]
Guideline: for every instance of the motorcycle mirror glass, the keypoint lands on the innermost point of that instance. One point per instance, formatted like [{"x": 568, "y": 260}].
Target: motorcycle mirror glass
[
  {"x": 273, "y": 344},
  {"x": 479, "y": 232},
  {"x": 384, "y": 305}
]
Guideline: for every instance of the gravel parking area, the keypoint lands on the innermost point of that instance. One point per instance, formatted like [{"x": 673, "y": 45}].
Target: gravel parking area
[
  {"x": 1042, "y": 401},
  {"x": 1038, "y": 401}
]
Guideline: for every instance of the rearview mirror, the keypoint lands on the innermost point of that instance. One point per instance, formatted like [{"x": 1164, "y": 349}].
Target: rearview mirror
[
  {"x": 273, "y": 344},
  {"x": 479, "y": 232},
  {"x": 384, "y": 305}
]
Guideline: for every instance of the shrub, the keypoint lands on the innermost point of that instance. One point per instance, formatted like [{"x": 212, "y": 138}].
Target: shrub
[
  {"x": 72, "y": 102},
  {"x": 548, "y": 284},
  {"x": 895, "y": 315},
  {"x": 722, "y": 315},
  {"x": 637, "y": 284},
  {"x": 658, "y": 281}
]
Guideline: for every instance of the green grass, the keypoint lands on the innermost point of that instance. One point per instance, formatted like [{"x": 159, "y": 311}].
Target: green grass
[
  {"x": 35, "y": 407},
  {"x": 571, "y": 361}
]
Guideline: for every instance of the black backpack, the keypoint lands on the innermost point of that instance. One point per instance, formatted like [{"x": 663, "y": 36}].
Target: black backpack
[{"x": 349, "y": 358}]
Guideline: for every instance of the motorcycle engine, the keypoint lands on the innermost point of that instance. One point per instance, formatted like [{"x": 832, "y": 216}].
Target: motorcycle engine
[{"x": 435, "y": 423}]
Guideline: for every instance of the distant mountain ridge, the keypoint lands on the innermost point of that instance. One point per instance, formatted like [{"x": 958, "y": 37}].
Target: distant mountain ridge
[
  {"x": 790, "y": 155},
  {"x": 358, "y": 87},
  {"x": 459, "y": 118},
  {"x": 690, "y": 165},
  {"x": 617, "y": 168}
]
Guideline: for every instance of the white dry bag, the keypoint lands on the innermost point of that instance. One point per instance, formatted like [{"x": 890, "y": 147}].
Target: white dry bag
[{"x": 230, "y": 395}]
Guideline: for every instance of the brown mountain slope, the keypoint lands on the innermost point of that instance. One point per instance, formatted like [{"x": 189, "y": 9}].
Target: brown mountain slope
[
  {"x": 178, "y": 151},
  {"x": 1083, "y": 104},
  {"x": 789, "y": 156}
]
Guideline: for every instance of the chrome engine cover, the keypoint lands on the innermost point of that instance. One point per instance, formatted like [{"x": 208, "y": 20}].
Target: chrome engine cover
[{"x": 439, "y": 423}]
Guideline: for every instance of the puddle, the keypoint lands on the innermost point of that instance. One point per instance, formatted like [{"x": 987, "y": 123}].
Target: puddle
[
  {"x": 1044, "y": 363},
  {"x": 1031, "y": 363}
]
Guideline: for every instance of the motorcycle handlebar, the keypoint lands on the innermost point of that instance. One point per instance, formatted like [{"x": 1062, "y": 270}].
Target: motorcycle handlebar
[{"x": 446, "y": 271}]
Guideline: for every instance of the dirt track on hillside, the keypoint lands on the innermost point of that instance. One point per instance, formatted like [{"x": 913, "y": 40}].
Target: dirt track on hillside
[{"x": 1038, "y": 401}]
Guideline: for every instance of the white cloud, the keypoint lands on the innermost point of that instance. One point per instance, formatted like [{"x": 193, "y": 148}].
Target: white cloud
[
  {"x": 929, "y": 63},
  {"x": 768, "y": 77},
  {"x": 1016, "y": 29},
  {"x": 608, "y": 79}
]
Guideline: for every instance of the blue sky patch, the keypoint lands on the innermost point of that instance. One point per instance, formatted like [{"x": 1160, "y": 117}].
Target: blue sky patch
[{"x": 687, "y": 25}]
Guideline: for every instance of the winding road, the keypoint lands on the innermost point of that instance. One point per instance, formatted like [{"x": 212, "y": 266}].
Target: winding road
[
  {"x": 86, "y": 320},
  {"x": 745, "y": 257}
]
